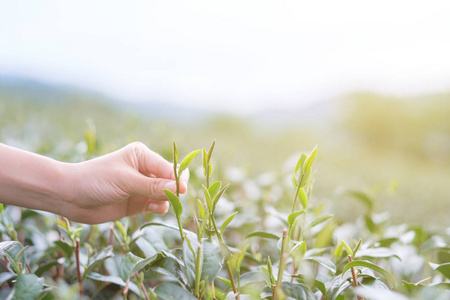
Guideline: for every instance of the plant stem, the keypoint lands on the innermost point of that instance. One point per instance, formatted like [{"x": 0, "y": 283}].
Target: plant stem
[
  {"x": 198, "y": 271},
  {"x": 233, "y": 284},
  {"x": 142, "y": 287},
  {"x": 77, "y": 258},
  {"x": 283, "y": 257},
  {"x": 355, "y": 281}
]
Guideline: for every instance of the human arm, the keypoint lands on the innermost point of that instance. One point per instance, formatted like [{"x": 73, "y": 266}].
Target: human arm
[{"x": 126, "y": 182}]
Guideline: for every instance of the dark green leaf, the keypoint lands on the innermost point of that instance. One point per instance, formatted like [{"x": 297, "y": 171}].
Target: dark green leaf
[
  {"x": 212, "y": 260},
  {"x": 170, "y": 291},
  {"x": 66, "y": 248},
  {"x": 310, "y": 279},
  {"x": 175, "y": 202},
  {"x": 98, "y": 258},
  {"x": 107, "y": 292},
  {"x": 114, "y": 279},
  {"x": 297, "y": 291},
  {"x": 28, "y": 286},
  {"x": 131, "y": 264}
]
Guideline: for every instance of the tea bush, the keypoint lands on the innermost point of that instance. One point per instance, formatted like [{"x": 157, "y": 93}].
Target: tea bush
[{"x": 252, "y": 238}]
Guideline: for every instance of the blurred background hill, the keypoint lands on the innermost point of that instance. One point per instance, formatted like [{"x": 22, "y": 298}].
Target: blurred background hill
[{"x": 397, "y": 149}]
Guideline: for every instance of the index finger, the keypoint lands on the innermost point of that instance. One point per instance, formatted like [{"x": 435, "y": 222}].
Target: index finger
[{"x": 151, "y": 163}]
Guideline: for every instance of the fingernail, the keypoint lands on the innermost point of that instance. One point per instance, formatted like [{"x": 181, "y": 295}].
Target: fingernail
[{"x": 153, "y": 207}]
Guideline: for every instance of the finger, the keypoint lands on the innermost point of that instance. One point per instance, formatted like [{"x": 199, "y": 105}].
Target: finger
[
  {"x": 153, "y": 188},
  {"x": 157, "y": 207},
  {"x": 139, "y": 204},
  {"x": 151, "y": 163},
  {"x": 184, "y": 179}
]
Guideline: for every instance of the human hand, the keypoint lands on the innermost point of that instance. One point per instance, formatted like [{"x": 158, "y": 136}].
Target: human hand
[{"x": 126, "y": 182}]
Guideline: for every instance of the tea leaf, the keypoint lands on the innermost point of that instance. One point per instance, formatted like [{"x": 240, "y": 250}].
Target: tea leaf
[
  {"x": 98, "y": 258},
  {"x": 214, "y": 189},
  {"x": 175, "y": 154},
  {"x": 324, "y": 262},
  {"x": 226, "y": 222},
  {"x": 444, "y": 269},
  {"x": 367, "y": 264},
  {"x": 217, "y": 197},
  {"x": 175, "y": 202},
  {"x": 170, "y": 291},
  {"x": 310, "y": 159},
  {"x": 291, "y": 218},
  {"x": 114, "y": 279},
  {"x": 186, "y": 162},
  {"x": 347, "y": 248},
  {"x": 320, "y": 220},
  {"x": 207, "y": 198},
  {"x": 303, "y": 197},
  {"x": 28, "y": 286},
  {"x": 212, "y": 260},
  {"x": 263, "y": 234},
  {"x": 297, "y": 291},
  {"x": 131, "y": 264}
]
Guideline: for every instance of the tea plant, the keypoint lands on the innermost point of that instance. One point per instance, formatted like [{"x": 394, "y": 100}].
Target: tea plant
[{"x": 246, "y": 240}]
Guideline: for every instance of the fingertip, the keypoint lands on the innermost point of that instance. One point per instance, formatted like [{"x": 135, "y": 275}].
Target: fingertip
[{"x": 158, "y": 207}]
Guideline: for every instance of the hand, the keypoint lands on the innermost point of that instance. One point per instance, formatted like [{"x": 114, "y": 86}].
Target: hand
[{"x": 127, "y": 182}]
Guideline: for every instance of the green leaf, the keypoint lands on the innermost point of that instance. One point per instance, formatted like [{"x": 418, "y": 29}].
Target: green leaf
[
  {"x": 310, "y": 159},
  {"x": 66, "y": 248},
  {"x": 201, "y": 209},
  {"x": 270, "y": 270},
  {"x": 310, "y": 279},
  {"x": 45, "y": 267},
  {"x": 304, "y": 178},
  {"x": 226, "y": 222},
  {"x": 303, "y": 197},
  {"x": 325, "y": 262},
  {"x": 114, "y": 279},
  {"x": 444, "y": 269},
  {"x": 1, "y": 208},
  {"x": 338, "y": 251},
  {"x": 219, "y": 194},
  {"x": 297, "y": 291},
  {"x": 358, "y": 245},
  {"x": 190, "y": 234},
  {"x": 210, "y": 151},
  {"x": 175, "y": 154},
  {"x": 28, "y": 286},
  {"x": 320, "y": 220},
  {"x": 376, "y": 253},
  {"x": 170, "y": 291},
  {"x": 212, "y": 260},
  {"x": 121, "y": 229},
  {"x": 299, "y": 165},
  {"x": 241, "y": 258},
  {"x": 299, "y": 245},
  {"x": 109, "y": 291},
  {"x": 367, "y": 264},
  {"x": 207, "y": 198},
  {"x": 214, "y": 189},
  {"x": 347, "y": 248},
  {"x": 175, "y": 202},
  {"x": 98, "y": 258},
  {"x": 189, "y": 259},
  {"x": 186, "y": 162},
  {"x": 263, "y": 234},
  {"x": 291, "y": 218},
  {"x": 11, "y": 250},
  {"x": 6, "y": 276},
  {"x": 131, "y": 264},
  {"x": 224, "y": 280},
  {"x": 266, "y": 275},
  {"x": 337, "y": 286}
]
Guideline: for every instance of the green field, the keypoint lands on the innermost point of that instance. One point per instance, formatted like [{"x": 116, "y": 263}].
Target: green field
[{"x": 382, "y": 170}]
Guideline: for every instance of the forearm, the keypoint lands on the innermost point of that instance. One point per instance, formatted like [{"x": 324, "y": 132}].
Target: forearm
[{"x": 32, "y": 181}]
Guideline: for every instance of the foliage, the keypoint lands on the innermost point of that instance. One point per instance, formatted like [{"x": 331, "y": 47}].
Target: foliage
[{"x": 205, "y": 250}]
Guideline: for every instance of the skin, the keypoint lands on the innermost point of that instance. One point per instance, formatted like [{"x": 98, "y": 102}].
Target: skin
[{"x": 126, "y": 182}]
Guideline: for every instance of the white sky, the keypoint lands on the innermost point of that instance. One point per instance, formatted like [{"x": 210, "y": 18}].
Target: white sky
[{"x": 230, "y": 55}]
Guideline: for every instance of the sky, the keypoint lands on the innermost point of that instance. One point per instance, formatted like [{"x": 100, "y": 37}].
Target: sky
[{"x": 237, "y": 56}]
